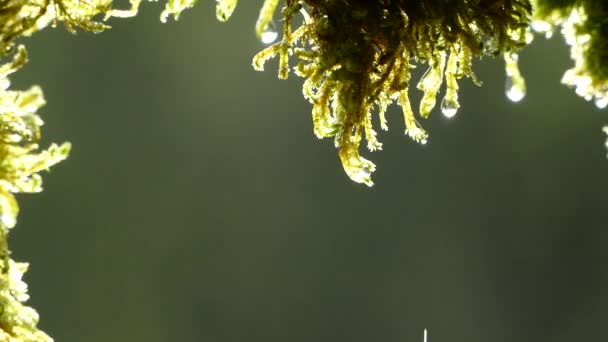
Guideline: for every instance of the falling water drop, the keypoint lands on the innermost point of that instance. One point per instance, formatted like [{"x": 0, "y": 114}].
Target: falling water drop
[
  {"x": 449, "y": 107},
  {"x": 515, "y": 90}
]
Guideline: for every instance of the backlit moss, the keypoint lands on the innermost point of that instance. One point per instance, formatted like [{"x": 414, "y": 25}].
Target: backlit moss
[{"x": 356, "y": 56}]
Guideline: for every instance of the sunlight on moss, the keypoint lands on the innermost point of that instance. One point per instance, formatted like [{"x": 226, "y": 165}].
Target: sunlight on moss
[
  {"x": 20, "y": 164},
  {"x": 356, "y": 56},
  {"x": 585, "y": 29}
]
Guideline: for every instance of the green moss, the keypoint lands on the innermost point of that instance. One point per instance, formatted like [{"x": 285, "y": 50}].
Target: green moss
[
  {"x": 584, "y": 25},
  {"x": 20, "y": 160},
  {"x": 20, "y": 164},
  {"x": 355, "y": 55}
]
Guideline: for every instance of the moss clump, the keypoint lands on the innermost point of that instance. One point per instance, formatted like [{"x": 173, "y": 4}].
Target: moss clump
[
  {"x": 584, "y": 25},
  {"x": 20, "y": 164},
  {"x": 356, "y": 55},
  {"x": 20, "y": 160}
]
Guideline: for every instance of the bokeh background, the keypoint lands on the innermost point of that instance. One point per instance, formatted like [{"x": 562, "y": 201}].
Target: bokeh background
[{"x": 197, "y": 204}]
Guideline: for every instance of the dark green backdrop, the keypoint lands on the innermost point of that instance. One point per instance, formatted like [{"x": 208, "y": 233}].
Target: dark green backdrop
[{"x": 197, "y": 204}]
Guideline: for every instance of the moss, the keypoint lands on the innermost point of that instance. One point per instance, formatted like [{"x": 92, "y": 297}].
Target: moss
[
  {"x": 20, "y": 160},
  {"x": 584, "y": 25},
  {"x": 20, "y": 164},
  {"x": 357, "y": 55}
]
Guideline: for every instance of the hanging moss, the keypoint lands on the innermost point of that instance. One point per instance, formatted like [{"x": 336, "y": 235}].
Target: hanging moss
[
  {"x": 356, "y": 58},
  {"x": 584, "y": 25}
]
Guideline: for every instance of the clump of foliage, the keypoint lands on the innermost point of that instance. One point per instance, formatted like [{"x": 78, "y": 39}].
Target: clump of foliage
[
  {"x": 20, "y": 160},
  {"x": 584, "y": 25},
  {"x": 20, "y": 163},
  {"x": 356, "y": 57}
]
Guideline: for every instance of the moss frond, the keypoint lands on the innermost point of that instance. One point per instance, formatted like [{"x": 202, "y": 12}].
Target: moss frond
[
  {"x": 20, "y": 160},
  {"x": 20, "y": 165},
  {"x": 224, "y": 9}
]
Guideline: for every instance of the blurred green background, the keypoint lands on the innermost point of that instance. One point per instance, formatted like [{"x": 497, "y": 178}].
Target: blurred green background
[{"x": 197, "y": 204}]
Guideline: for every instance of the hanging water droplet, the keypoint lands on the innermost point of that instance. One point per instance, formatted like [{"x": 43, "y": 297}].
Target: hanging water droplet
[
  {"x": 362, "y": 175},
  {"x": 515, "y": 90},
  {"x": 417, "y": 134},
  {"x": 449, "y": 107},
  {"x": 601, "y": 102},
  {"x": 269, "y": 36}
]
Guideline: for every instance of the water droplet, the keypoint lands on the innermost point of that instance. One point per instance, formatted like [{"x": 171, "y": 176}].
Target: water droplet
[
  {"x": 417, "y": 134},
  {"x": 269, "y": 36},
  {"x": 362, "y": 175},
  {"x": 449, "y": 107},
  {"x": 601, "y": 102},
  {"x": 515, "y": 91},
  {"x": 270, "y": 33}
]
